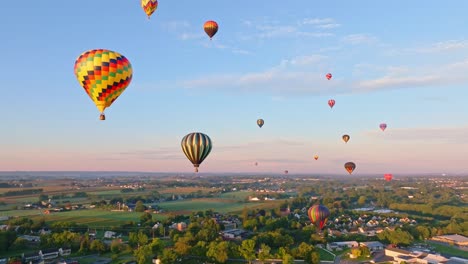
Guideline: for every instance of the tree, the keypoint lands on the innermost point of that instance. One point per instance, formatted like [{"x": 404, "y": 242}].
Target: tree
[
  {"x": 146, "y": 218},
  {"x": 97, "y": 246},
  {"x": 143, "y": 254},
  {"x": 168, "y": 256},
  {"x": 218, "y": 251},
  {"x": 314, "y": 258},
  {"x": 139, "y": 206},
  {"x": 362, "y": 200},
  {"x": 264, "y": 252},
  {"x": 247, "y": 250},
  {"x": 288, "y": 259}
]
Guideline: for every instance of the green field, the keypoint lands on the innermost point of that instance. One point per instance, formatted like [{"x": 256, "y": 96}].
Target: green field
[
  {"x": 325, "y": 255},
  {"x": 96, "y": 217},
  {"x": 219, "y": 205}
]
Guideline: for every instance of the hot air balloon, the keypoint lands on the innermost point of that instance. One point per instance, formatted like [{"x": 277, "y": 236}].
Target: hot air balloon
[
  {"x": 196, "y": 147},
  {"x": 388, "y": 176},
  {"x": 260, "y": 122},
  {"x": 316, "y": 157},
  {"x": 149, "y": 6},
  {"x": 256, "y": 163},
  {"x": 331, "y": 103},
  {"x": 350, "y": 166},
  {"x": 104, "y": 75},
  {"x": 210, "y": 27},
  {"x": 329, "y": 76},
  {"x": 383, "y": 126},
  {"x": 345, "y": 138},
  {"x": 318, "y": 215},
  {"x": 286, "y": 172}
]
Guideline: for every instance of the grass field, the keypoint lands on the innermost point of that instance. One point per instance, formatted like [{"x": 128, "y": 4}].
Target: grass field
[{"x": 325, "y": 255}]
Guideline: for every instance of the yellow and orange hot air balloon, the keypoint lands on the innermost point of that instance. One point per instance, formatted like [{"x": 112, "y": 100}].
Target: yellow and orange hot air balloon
[
  {"x": 346, "y": 138},
  {"x": 316, "y": 157},
  {"x": 210, "y": 27},
  {"x": 104, "y": 75},
  {"x": 149, "y": 6}
]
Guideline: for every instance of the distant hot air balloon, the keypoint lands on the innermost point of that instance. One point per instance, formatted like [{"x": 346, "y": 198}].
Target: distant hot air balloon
[
  {"x": 345, "y": 138},
  {"x": 331, "y": 103},
  {"x": 329, "y": 76},
  {"x": 383, "y": 126},
  {"x": 318, "y": 215},
  {"x": 286, "y": 172},
  {"x": 149, "y": 6},
  {"x": 196, "y": 146},
  {"x": 210, "y": 27},
  {"x": 256, "y": 163},
  {"x": 316, "y": 157},
  {"x": 104, "y": 75},
  {"x": 260, "y": 122},
  {"x": 388, "y": 176},
  {"x": 350, "y": 166}
]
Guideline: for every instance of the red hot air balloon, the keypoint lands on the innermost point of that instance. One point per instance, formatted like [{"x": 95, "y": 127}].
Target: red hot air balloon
[
  {"x": 331, "y": 103},
  {"x": 210, "y": 27},
  {"x": 388, "y": 176},
  {"x": 383, "y": 126},
  {"x": 329, "y": 76},
  {"x": 318, "y": 215},
  {"x": 350, "y": 166},
  {"x": 286, "y": 172}
]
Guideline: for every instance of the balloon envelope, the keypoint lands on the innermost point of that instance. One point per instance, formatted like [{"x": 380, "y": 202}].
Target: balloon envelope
[
  {"x": 331, "y": 103},
  {"x": 383, "y": 126},
  {"x": 149, "y": 6},
  {"x": 350, "y": 166},
  {"x": 210, "y": 27},
  {"x": 260, "y": 122},
  {"x": 345, "y": 138},
  {"x": 104, "y": 75},
  {"x": 329, "y": 76},
  {"x": 388, "y": 176},
  {"x": 318, "y": 215},
  {"x": 196, "y": 147},
  {"x": 316, "y": 157}
]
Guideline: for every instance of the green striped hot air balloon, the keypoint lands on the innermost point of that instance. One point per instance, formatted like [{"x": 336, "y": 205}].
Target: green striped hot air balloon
[
  {"x": 196, "y": 146},
  {"x": 318, "y": 215}
]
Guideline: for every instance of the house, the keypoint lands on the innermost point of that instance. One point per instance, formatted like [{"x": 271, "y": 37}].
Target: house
[
  {"x": 342, "y": 245},
  {"x": 372, "y": 246},
  {"x": 64, "y": 251},
  {"x": 31, "y": 257},
  {"x": 47, "y": 254},
  {"x": 109, "y": 234}
]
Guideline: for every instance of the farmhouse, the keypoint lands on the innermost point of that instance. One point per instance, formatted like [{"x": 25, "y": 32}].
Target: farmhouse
[
  {"x": 372, "y": 246},
  {"x": 342, "y": 245}
]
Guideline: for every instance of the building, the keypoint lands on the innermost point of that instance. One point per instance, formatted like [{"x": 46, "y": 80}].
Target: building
[
  {"x": 342, "y": 245},
  {"x": 372, "y": 246},
  {"x": 48, "y": 254},
  {"x": 455, "y": 260},
  {"x": 400, "y": 255},
  {"x": 109, "y": 234},
  {"x": 457, "y": 240}
]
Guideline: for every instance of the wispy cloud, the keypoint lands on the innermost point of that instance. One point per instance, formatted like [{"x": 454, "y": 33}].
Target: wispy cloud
[
  {"x": 317, "y": 21},
  {"x": 442, "y": 46},
  {"x": 428, "y": 135},
  {"x": 329, "y": 26},
  {"x": 356, "y": 39}
]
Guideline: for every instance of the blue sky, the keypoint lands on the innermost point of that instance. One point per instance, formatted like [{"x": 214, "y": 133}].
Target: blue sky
[{"x": 400, "y": 62}]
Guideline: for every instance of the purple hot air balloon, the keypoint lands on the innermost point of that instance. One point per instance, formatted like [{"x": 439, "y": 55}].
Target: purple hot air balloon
[{"x": 383, "y": 126}]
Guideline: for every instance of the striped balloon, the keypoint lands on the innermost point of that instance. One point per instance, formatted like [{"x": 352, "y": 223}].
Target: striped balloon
[
  {"x": 210, "y": 27},
  {"x": 104, "y": 75},
  {"x": 196, "y": 146},
  {"x": 318, "y": 215},
  {"x": 149, "y": 6}
]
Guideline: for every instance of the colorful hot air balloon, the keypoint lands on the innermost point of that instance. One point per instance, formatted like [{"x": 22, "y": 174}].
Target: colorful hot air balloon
[
  {"x": 316, "y": 157},
  {"x": 196, "y": 147},
  {"x": 286, "y": 172},
  {"x": 104, "y": 75},
  {"x": 345, "y": 138},
  {"x": 388, "y": 176},
  {"x": 210, "y": 27},
  {"x": 149, "y": 6},
  {"x": 318, "y": 215},
  {"x": 260, "y": 122},
  {"x": 350, "y": 166},
  {"x": 383, "y": 126},
  {"x": 331, "y": 103},
  {"x": 329, "y": 76}
]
